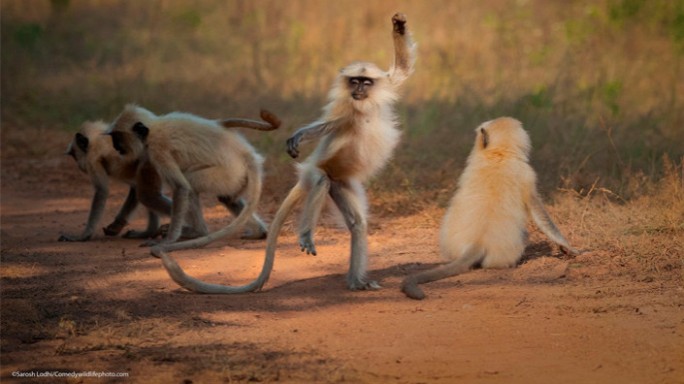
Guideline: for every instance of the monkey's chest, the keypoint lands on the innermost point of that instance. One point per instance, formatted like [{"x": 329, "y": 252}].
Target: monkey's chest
[{"x": 362, "y": 154}]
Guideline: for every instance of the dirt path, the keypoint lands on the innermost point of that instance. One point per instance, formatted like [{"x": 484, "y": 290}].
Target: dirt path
[{"x": 107, "y": 305}]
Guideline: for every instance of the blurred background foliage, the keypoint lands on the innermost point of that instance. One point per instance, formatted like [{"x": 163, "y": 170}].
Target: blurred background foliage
[{"x": 599, "y": 84}]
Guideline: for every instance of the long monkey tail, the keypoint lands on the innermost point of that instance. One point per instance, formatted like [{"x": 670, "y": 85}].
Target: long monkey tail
[
  {"x": 269, "y": 117},
  {"x": 199, "y": 286},
  {"x": 469, "y": 258},
  {"x": 253, "y": 194}
]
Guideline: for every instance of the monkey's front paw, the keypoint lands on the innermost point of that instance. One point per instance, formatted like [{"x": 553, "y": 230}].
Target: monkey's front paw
[
  {"x": 293, "y": 147},
  {"x": 114, "y": 228},
  {"x": 307, "y": 243},
  {"x": 399, "y": 22},
  {"x": 360, "y": 285},
  {"x": 70, "y": 238}
]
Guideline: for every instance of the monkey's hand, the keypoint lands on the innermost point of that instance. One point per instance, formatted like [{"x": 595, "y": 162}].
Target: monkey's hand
[
  {"x": 399, "y": 22},
  {"x": 65, "y": 237},
  {"x": 115, "y": 227},
  {"x": 293, "y": 145}
]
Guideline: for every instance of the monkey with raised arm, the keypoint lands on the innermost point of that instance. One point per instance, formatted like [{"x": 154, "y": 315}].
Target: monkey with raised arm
[
  {"x": 356, "y": 137},
  {"x": 193, "y": 155},
  {"x": 487, "y": 218}
]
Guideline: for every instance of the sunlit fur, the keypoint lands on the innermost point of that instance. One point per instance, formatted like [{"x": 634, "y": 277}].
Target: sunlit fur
[
  {"x": 487, "y": 218},
  {"x": 489, "y": 209},
  {"x": 355, "y": 138}
]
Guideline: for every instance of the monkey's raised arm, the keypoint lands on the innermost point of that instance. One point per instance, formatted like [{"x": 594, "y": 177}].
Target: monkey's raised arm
[
  {"x": 544, "y": 222},
  {"x": 404, "y": 50},
  {"x": 313, "y": 131}
]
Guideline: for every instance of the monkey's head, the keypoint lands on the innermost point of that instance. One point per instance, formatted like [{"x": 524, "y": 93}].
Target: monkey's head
[
  {"x": 85, "y": 142},
  {"x": 504, "y": 136},
  {"x": 359, "y": 83},
  {"x": 130, "y": 130}
]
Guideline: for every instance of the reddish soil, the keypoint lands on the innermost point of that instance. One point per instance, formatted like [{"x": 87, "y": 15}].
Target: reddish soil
[{"x": 108, "y": 305}]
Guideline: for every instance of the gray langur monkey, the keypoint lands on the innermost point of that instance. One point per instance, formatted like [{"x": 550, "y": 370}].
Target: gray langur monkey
[
  {"x": 486, "y": 220},
  {"x": 93, "y": 152},
  {"x": 193, "y": 155},
  {"x": 356, "y": 137}
]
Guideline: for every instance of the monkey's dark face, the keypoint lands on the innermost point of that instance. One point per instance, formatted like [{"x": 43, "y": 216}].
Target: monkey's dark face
[
  {"x": 360, "y": 86},
  {"x": 78, "y": 150},
  {"x": 132, "y": 141},
  {"x": 119, "y": 142}
]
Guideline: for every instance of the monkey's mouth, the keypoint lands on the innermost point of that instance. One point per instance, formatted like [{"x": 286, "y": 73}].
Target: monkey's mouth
[{"x": 359, "y": 96}]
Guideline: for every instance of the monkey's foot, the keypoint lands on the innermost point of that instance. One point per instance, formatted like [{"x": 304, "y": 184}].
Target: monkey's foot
[
  {"x": 187, "y": 232},
  {"x": 133, "y": 234},
  {"x": 306, "y": 243},
  {"x": 569, "y": 251},
  {"x": 257, "y": 233},
  {"x": 412, "y": 290},
  {"x": 360, "y": 285}
]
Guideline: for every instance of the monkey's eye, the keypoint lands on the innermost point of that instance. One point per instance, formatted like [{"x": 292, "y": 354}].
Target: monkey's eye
[
  {"x": 354, "y": 81},
  {"x": 368, "y": 82}
]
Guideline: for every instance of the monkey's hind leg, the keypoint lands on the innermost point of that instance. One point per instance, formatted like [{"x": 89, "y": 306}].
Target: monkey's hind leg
[
  {"x": 255, "y": 228},
  {"x": 312, "y": 211},
  {"x": 351, "y": 207},
  {"x": 410, "y": 284}
]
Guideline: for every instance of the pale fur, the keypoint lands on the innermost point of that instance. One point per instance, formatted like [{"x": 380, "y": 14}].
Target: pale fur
[
  {"x": 488, "y": 211},
  {"x": 356, "y": 138},
  {"x": 194, "y": 155},
  {"x": 486, "y": 220}
]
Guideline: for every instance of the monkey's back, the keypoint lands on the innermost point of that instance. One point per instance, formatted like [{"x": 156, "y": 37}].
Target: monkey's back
[
  {"x": 205, "y": 152},
  {"x": 488, "y": 212}
]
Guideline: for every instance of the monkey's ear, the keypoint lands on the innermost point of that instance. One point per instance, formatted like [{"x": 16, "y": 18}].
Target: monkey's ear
[
  {"x": 141, "y": 130},
  {"x": 485, "y": 138},
  {"x": 81, "y": 142}
]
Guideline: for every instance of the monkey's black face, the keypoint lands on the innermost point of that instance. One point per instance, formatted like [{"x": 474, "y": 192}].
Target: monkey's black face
[
  {"x": 118, "y": 142},
  {"x": 360, "y": 86}
]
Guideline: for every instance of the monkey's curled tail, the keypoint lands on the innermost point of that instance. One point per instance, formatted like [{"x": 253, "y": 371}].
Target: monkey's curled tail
[
  {"x": 199, "y": 286},
  {"x": 270, "y": 118}
]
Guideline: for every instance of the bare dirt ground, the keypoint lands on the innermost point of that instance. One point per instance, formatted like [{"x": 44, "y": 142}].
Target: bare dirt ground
[{"x": 107, "y": 305}]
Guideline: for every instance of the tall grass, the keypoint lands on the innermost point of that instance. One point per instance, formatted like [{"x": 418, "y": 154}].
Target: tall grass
[{"x": 598, "y": 84}]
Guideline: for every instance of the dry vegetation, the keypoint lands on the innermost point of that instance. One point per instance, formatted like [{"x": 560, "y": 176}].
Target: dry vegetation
[{"x": 598, "y": 84}]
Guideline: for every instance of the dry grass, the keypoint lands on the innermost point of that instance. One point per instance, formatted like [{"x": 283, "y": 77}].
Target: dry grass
[{"x": 597, "y": 84}]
